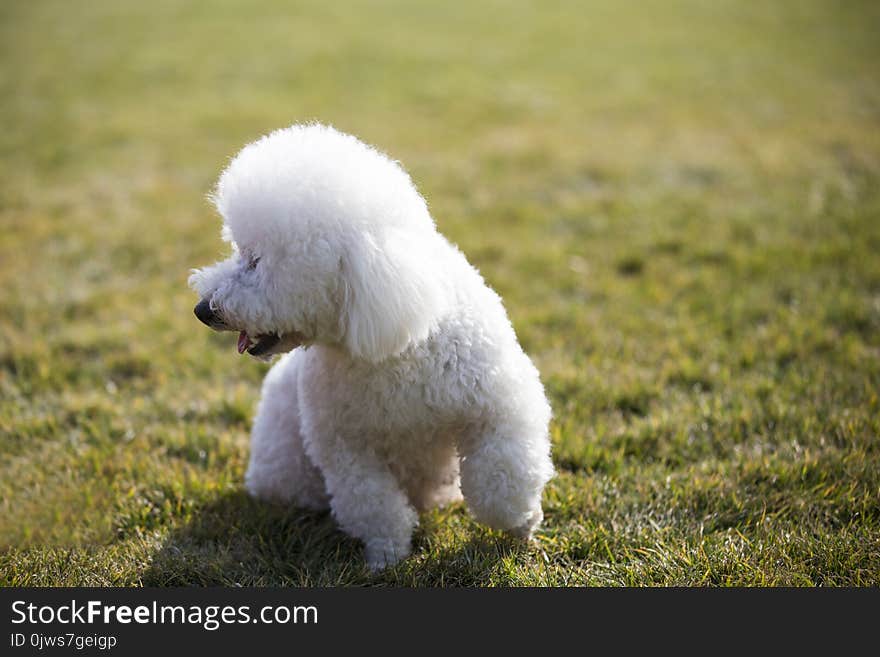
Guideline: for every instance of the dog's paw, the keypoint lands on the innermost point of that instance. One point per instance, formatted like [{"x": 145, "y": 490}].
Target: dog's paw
[
  {"x": 303, "y": 489},
  {"x": 381, "y": 553},
  {"x": 525, "y": 530}
]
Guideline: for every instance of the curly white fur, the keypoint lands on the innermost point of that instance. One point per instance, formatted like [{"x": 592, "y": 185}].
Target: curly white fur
[{"x": 410, "y": 388}]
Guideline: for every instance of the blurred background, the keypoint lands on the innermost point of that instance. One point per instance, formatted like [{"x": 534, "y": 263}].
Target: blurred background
[{"x": 678, "y": 201}]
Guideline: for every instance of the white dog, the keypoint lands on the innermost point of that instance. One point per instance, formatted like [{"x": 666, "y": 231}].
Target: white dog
[{"x": 405, "y": 386}]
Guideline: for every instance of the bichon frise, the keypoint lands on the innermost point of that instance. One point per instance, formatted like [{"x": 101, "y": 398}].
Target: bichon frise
[{"x": 404, "y": 386}]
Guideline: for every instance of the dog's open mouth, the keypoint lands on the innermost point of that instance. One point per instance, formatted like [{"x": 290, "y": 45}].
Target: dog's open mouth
[
  {"x": 266, "y": 345},
  {"x": 262, "y": 345},
  {"x": 258, "y": 346}
]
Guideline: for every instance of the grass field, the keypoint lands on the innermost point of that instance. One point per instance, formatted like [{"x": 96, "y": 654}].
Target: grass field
[{"x": 678, "y": 200}]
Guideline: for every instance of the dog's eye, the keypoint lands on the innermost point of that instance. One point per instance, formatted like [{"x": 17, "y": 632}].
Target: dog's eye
[{"x": 252, "y": 263}]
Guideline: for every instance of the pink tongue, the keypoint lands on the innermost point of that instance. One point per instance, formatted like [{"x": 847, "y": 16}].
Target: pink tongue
[{"x": 243, "y": 342}]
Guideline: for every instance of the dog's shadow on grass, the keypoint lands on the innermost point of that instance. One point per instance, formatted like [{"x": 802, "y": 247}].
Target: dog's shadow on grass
[{"x": 237, "y": 541}]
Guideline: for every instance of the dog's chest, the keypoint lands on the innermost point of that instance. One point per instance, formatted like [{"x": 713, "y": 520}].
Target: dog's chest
[{"x": 404, "y": 397}]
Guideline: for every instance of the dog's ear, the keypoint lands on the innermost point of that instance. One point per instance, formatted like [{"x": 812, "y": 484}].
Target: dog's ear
[{"x": 392, "y": 296}]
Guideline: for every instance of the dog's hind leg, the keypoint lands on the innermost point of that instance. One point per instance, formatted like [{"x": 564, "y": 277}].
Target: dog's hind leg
[{"x": 279, "y": 469}]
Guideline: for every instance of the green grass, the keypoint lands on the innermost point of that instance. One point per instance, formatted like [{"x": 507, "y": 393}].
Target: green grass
[{"x": 678, "y": 200}]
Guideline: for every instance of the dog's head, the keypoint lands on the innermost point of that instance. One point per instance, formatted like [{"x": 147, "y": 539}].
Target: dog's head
[{"x": 331, "y": 243}]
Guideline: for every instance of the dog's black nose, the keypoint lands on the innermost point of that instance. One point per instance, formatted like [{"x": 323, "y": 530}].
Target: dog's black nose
[{"x": 206, "y": 314}]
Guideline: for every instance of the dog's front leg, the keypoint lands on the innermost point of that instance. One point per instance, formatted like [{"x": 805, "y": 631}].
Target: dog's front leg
[
  {"x": 279, "y": 469},
  {"x": 504, "y": 469},
  {"x": 367, "y": 500}
]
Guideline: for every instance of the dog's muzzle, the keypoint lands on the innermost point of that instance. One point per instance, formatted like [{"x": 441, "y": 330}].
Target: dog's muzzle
[
  {"x": 208, "y": 315},
  {"x": 262, "y": 345}
]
